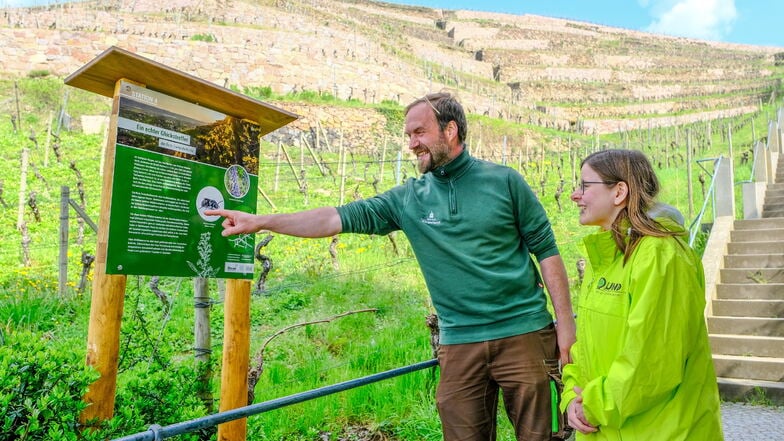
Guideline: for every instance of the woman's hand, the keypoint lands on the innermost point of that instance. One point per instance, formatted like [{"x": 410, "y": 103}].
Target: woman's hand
[{"x": 576, "y": 416}]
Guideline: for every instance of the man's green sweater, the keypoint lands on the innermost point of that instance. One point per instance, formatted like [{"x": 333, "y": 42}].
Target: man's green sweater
[{"x": 474, "y": 227}]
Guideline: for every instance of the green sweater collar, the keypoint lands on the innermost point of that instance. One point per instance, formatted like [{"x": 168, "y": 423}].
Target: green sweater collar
[{"x": 454, "y": 168}]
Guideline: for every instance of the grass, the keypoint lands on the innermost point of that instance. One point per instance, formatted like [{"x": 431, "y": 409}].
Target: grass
[
  {"x": 758, "y": 397},
  {"x": 303, "y": 285}
]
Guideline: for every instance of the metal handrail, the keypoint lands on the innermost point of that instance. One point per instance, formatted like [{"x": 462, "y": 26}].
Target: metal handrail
[
  {"x": 157, "y": 433},
  {"x": 693, "y": 227}
]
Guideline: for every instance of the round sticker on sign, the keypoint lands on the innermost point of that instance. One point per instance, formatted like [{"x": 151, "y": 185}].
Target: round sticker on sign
[
  {"x": 237, "y": 181},
  {"x": 209, "y": 198}
]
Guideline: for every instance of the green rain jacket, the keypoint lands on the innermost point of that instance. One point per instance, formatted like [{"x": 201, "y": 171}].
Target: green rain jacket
[{"x": 642, "y": 355}]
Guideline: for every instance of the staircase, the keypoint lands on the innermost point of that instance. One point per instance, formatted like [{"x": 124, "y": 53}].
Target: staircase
[{"x": 746, "y": 325}]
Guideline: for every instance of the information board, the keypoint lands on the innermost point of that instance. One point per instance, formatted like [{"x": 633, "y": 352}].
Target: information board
[{"x": 173, "y": 161}]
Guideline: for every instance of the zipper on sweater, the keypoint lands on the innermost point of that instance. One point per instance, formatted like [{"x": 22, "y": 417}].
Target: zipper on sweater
[{"x": 452, "y": 198}]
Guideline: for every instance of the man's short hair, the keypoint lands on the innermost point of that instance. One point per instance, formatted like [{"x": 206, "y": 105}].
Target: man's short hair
[{"x": 446, "y": 108}]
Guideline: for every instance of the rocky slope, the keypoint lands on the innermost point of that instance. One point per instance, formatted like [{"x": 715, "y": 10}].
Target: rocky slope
[{"x": 550, "y": 72}]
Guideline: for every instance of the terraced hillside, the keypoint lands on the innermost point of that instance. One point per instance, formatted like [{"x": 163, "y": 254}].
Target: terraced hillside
[{"x": 551, "y": 72}]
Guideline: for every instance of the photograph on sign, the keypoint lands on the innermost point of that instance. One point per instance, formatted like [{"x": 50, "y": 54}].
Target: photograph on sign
[{"x": 173, "y": 161}]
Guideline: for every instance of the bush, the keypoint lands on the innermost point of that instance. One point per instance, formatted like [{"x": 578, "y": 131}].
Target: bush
[
  {"x": 40, "y": 73},
  {"x": 41, "y": 392},
  {"x": 258, "y": 92},
  {"x": 41, "y": 395},
  {"x": 209, "y": 38},
  {"x": 160, "y": 396}
]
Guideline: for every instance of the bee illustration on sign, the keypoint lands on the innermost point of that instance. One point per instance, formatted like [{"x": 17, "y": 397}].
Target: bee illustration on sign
[
  {"x": 209, "y": 198},
  {"x": 208, "y": 203}
]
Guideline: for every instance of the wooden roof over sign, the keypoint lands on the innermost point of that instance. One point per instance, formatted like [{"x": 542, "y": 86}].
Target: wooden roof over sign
[{"x": 102, "y": 73}]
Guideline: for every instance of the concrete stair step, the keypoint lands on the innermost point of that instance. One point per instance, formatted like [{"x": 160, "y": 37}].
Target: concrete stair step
[
  {"x": 758, "y": 291},
  {"x": 748, "y": 308},
  {"x": 775, "y": 260},
  {"x": 759, "y": 326},
  {"x": 735, "y": 389},
  {"x": 755, "y": 247},
  {"x": 756, "y": 276},
  {"x": 762, "y": 235},
  {"x": 749, "y": 368},
  {"x": 757, "y": 224},
  {"x": 773, "y": 214},
  {"x": 747, "y": 345},
  {"x": 772, "y": 206}
]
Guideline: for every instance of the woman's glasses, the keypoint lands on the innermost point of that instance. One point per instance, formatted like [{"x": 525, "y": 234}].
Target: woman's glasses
[{"x": 584, "y": 183}]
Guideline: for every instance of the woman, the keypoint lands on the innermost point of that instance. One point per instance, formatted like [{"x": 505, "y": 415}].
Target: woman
[{"x": 642, "y": 367}]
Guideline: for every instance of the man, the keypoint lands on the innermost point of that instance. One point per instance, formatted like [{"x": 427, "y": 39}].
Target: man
[{"x": 474, "y": 227}]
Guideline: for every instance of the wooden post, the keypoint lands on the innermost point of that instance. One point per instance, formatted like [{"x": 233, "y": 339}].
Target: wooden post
[
  {"x": 277, "y": 168},
  {"x": 503, "y": 152},
  {"x": 291, "y": 165},
  {"x": 267, "y": 198},
  {"x": 730, "y": 153},
  {"x": 574, "y": 169},
  {"x": 22, "y": 187},
  {"x": 18, "y": 114},
  {"x": 236, "y": 357},
  {"x": 318, "y": 135},
  {"x": 63, "y": 258},
  {"x": 383, "y": 160},
  {"x": 315, "y": 158},
  {"x": 25, "y": 233},
  {"x": 108, "y": 297},
  {"x": 342, "y": 165},
  {"x": 48, "y": 140},
  {"x": 324, "y": 134},
  {"x": 301, "y": 153},
  {"x": 202, "y": 339},
  {"x": 398, "y": 166},
  {"x": 689, "y": 183},
  {"x": 667, "y": 154},
  {"x": 520, "y": 162}
]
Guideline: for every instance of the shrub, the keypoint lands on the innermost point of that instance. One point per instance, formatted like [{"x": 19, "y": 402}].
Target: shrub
[
  {"x": 41, "y": 395},
  {"x": 42, "y": 388},
  {"x": 209, "y": 38},
  {"x": 258, "y": 92},
  {"x": 39, "y": 73}
]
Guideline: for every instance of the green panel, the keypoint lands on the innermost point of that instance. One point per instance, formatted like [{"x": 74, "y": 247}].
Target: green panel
[{"x": 173, "y": 161}]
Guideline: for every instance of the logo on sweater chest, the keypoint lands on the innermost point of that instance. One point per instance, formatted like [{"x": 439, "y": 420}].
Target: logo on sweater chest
[
  {"x": 608, "y": 287},
  {"x": 431, "y": 219}
]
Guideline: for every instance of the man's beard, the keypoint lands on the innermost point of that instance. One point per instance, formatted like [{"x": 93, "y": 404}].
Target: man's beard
[{"x": 438, "y": 153}]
